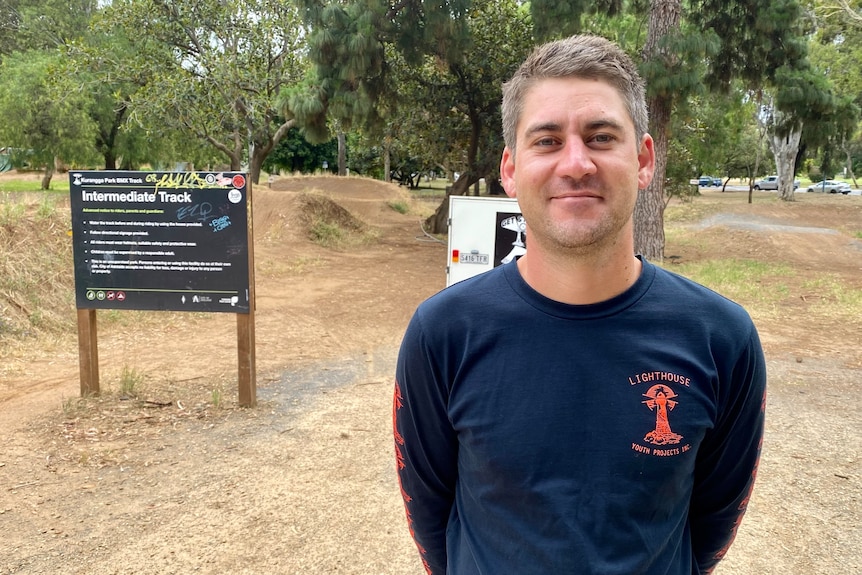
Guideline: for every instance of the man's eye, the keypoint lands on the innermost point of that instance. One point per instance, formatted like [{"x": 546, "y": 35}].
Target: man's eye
[
  {"x": 603, "y": 138},
  {"x": 546, "y": 142}
]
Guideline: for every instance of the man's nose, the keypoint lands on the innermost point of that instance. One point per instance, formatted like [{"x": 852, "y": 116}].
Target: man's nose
[{"x": 576, "y": 160}]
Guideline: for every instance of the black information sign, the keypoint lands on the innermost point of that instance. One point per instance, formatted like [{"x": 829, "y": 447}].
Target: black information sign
[{"x": 160, "y": 240}]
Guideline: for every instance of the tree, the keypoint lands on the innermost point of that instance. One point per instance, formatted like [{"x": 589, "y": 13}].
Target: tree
[
  {"x": 91, "y": 69},
  {"x": 846, "y": 10},
  {"x": 45, "y": 128},
  {"x": 62, "y": 27},
  {"x": 294, "y": 154},
  {"x": 450, "y": 59},
  {"x": 45, "y": 120},
  {"x": 211, "y": 69},
  {"x": 836, "y": 50},
  {"x": 801, "y": 97},
  {"x": 719, "y": 132},
  {"x": 48, "y": 24}
]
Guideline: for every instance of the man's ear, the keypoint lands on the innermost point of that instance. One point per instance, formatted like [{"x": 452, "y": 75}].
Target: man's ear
[
  {"x": 507, "y": 172},
  {"x": 646, "y": 162}
]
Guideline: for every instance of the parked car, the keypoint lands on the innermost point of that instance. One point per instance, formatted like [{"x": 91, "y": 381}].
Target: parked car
[
  {"x": 830, "y": 186},
  {"x": 771, "y": 183},
  {"x": 705, "y": 181}
]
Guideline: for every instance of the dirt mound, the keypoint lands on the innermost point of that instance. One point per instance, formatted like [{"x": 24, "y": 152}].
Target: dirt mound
[
  {"x": 350, "y": 188},
  {"x": 290, "y": 207},
  {"x": 368, "y": 199}
]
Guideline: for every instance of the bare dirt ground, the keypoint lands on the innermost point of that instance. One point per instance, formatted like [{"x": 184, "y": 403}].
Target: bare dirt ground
[{"x": 175, "y": 478}]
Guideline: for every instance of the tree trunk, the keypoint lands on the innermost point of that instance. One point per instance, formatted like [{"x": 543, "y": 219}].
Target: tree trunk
[
  {"x": 110, "y": 160},
  {"x": 784, "y": 148},
  {"x": 761, "y": 134},
  {"x": 438, "y": 222},
  {"x": 342, "y": 154},
  {"x": 387, "y": 161},
  {"x": 664, "y": 19},
  {"x": 49, "y": 173},
  {"x": 849, "y": 161},
  {"x": 255, "y": 166},
  {"x": 495, "y": 188}
]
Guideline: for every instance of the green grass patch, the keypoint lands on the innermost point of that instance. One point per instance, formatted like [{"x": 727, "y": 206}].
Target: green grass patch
[
  {"x": 130, "y": 382},
  {"x": 830, "y": 295},
  {"x": 59, "y": 185},
  {"x": 688, "y": 212},
  {"x": 399, "y": 206},
  {"x": 11, "y": 213},
  {"x": 748, "y": 282},
  {"x": 327, "y": 233}
]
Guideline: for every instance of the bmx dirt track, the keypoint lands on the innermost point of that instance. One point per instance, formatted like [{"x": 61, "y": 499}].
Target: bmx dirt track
[{"x": 175, "y": 478}]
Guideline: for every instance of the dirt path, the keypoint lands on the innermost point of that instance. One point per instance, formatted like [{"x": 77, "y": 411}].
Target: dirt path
[{"x": 180, "y": 480}]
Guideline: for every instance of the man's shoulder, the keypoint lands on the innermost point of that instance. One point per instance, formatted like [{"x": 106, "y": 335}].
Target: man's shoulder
[
  {"x": 685, "y": 294},
  {"x": 488, "y": 285}
]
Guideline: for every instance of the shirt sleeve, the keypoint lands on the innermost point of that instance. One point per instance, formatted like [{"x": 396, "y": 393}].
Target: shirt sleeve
[
  {"x": 727, "y": 461},
  {"x": 426, "y": 447}
]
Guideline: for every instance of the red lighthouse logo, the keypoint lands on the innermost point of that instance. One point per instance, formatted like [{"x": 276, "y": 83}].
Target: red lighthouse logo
[{"x": 660, "y": 399}]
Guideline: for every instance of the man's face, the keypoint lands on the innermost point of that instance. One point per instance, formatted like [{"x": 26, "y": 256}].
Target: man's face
[{"x": 578, "y": 165}]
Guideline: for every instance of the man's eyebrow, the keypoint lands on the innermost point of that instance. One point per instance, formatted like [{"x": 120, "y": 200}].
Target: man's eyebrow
[
  {"x": 543, "y": 127},
  {"x": 605, "y": 123}
]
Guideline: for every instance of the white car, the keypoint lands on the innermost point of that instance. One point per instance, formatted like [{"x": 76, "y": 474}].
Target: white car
[
  {"x": 771, "y": 183},
  {"x": 830, "y": 186}
]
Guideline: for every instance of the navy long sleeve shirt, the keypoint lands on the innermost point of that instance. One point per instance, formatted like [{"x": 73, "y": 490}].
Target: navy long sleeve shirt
[{"x": 535, "y": 437}]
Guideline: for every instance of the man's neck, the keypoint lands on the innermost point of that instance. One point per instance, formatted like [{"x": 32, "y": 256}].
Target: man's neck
[{"x": 580, "y": 280}]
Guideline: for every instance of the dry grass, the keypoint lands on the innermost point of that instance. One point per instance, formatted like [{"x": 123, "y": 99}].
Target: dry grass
[{"x": 36, "y": 279}]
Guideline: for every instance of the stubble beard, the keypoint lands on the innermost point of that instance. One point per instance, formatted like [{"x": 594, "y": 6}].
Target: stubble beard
[{"x": 579, "y": 236}]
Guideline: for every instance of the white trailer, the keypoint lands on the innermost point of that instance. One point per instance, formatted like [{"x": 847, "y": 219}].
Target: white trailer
[{"x": 483, "y": 234}]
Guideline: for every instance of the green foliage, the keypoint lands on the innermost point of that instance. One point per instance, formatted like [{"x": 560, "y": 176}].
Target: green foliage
[
  {"x": 209, "y": 69},
  {"x": 50, "y": 24},
  {"x": 757, "y": 38},
  {"x": 217, "y": 397},
  {"x": 679, "y": 75},
  {"x": 556, "y": 19},
  {"x": 38, "y": 120},
  {"x": 718, "y": 135},
  {"x": 422, "y": 80},
  {"x": 836, "y": 50},
  {"x": 10, "y": 21},
  {"x": 327, "y": 234},
  {"x": 294, "y": 154},
  {"x": 805, "y": 95}
]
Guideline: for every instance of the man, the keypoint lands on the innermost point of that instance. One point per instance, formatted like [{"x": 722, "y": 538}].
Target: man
[{"x": 581, "y": 410}]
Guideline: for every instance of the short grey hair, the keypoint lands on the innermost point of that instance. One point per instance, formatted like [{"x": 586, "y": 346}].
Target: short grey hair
[{"x": 581, "y": 56}]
